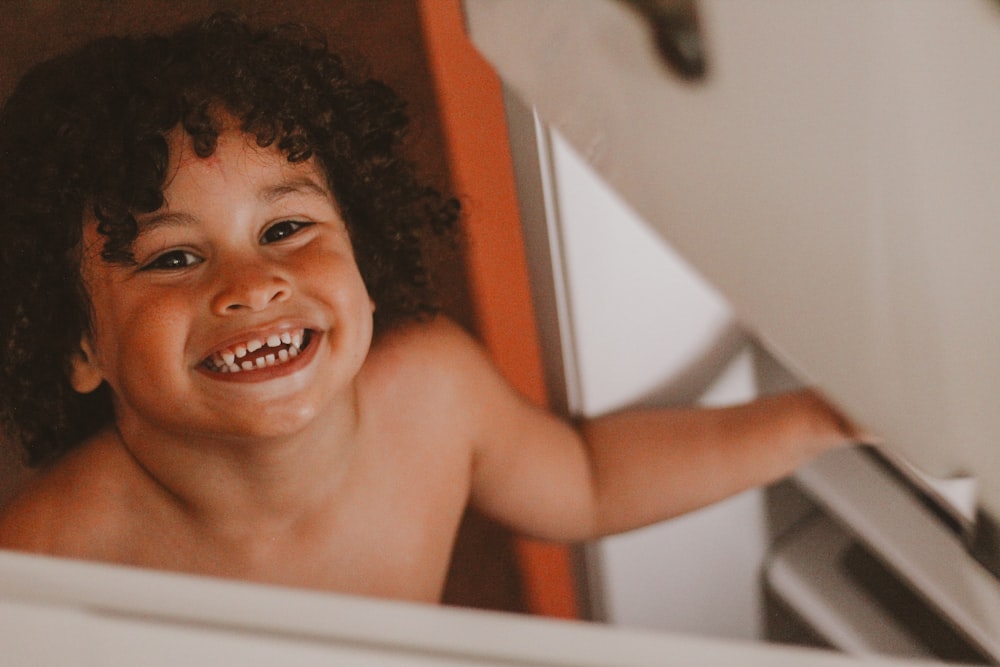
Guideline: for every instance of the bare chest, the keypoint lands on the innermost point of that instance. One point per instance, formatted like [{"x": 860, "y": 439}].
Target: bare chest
[{"x": 388, "y": 537}]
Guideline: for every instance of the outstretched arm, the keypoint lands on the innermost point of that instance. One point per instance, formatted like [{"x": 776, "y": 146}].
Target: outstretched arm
[
  {"x": 560, "y": 481},
  {"x": 653, "y": 464}
]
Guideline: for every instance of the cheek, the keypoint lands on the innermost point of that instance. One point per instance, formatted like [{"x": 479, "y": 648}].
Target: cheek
[
  {"x": 336, "y": 272},
  {"x": 130, "y": 330}
]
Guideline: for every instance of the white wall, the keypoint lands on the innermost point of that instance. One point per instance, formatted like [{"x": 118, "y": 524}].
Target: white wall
[{"x": 642, "y": 328}]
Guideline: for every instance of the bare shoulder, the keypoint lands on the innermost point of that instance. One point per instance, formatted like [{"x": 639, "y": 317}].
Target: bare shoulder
[
  {"x": 68, "y": 508},
  {"x": 438, "y": 339},
  {"x": 438, "y": 353},
  {"x": 438, "y": 369}
]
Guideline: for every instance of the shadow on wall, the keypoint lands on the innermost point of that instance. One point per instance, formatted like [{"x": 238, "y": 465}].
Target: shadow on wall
[{"x": 687, "y": 385}]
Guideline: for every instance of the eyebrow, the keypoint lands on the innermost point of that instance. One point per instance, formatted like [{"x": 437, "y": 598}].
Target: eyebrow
[
  {"x": 154, "y": 220},
  {"x": 267, "y": 194},
  {"x": 300, "y": 185}
]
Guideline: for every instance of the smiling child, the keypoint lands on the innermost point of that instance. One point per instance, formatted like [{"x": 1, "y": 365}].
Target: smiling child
[{"x": 223, "y": 356}]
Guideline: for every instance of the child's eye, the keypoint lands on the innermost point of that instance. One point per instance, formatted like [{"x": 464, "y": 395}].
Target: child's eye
[
  {"x": 175, "y": 259},
  {"x": 282, "y": 230}
]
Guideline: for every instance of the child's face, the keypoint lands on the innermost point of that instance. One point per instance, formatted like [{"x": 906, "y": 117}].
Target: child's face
[{"x": 248, "y": 251}]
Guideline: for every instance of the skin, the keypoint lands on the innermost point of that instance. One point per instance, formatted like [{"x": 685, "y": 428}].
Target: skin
[{"x": 349, "y": 467}]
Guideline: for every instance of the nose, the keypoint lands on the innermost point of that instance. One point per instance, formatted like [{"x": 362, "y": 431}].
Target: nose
[{"x": 249, "y": 287}]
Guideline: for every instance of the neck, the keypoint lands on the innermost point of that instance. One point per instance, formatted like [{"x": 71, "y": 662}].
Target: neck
[{"x": 237, "y": 484}]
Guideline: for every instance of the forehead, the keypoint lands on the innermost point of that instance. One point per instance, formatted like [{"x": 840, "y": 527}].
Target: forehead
[
  {"x": 237, "y": 168},
  {"x": 237, "y": 156}
]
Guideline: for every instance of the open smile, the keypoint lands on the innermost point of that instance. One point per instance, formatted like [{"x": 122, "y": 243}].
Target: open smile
[{"x": 256, "y": 354}]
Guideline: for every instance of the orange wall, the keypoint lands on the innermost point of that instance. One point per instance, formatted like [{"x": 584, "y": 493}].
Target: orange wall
[{"x": 471, "y": 108}]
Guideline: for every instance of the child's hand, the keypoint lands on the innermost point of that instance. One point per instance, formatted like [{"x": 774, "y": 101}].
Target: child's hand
[{"x": 830, "y": 427}]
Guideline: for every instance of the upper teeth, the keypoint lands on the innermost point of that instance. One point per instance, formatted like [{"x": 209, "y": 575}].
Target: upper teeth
[{"x": 228, "y": 360}]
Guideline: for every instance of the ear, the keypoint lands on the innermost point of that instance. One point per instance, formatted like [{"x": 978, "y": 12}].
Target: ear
[{"x": 85, "y": 375}]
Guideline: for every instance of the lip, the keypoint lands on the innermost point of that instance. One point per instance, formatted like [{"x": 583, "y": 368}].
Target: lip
[{"x": 308, "y": 348}]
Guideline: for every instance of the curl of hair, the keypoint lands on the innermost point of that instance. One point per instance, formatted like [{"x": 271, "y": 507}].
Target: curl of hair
[{"x": 85, "y": 133}]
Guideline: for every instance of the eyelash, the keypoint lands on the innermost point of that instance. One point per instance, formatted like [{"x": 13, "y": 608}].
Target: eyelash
[
  {"x": 168, "y": 261},
  {"x": 296, "y": 227}
]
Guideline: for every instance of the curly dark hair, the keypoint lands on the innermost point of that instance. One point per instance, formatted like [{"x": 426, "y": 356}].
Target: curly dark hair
[{"x": 86, "y": 132}]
